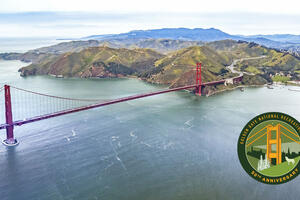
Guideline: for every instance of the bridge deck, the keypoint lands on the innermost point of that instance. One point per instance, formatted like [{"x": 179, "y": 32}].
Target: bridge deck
[
  {"x": 119, "y": 100},
  {"x": 101, "y": 104}
]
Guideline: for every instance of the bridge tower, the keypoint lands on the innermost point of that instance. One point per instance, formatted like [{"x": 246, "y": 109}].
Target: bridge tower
[
  {"x": 198, "y": 79},
  {"x": 276, "y": 141},
  {"x": 10, "y": 140}
]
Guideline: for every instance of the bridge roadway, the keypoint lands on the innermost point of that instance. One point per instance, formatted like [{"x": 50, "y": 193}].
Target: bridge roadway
[{"x": 96, "y": 105}]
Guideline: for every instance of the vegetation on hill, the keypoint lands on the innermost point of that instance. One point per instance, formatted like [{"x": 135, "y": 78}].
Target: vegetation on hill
[
  {"x": 164, "y": 45},
  {"x": 178, "y": 68},
  {"x": 279, "y": 78},
  {"x": 271, "y": 62},
  {"x": 95, "y": 62},
  {"x": 175, "y": 68}
]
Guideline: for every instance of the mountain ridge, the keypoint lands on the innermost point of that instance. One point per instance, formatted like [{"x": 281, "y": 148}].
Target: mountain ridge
[
  {"x": 175, "y": 68},
  {"x": 198, "y": 34},
  {"x": 162, "y": 40},
  {"x": 287, "y": 42}
]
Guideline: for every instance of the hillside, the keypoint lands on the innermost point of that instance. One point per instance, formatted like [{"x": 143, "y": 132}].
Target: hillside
[
  {"x": 95, "y": 62},
  {"x": 175, "y": 68},
  {"x": 274, "y": 61},
  {"x": 36, "y": 55},
  {"x": 72, "y": 46},
  {"x": 178, "y": 67},
  {"x": 163, "y": 46}
]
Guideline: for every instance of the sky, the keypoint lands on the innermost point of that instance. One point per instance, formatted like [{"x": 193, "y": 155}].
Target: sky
[{"x": 73, "y": 19}]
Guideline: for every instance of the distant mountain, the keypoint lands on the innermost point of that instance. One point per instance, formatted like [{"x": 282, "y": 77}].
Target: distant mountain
[
  {"x": 161, "y": 40},
  {"x": 195, "y": 34},
  {"x": 159, "y": 45},
  {"x": 287, "y": 42},
  {"x": 63, "y": 47},
  {"x": 289, "y": 38},
  {"x": 198, "y": 34},
  {"x": 36, "y": 55}
]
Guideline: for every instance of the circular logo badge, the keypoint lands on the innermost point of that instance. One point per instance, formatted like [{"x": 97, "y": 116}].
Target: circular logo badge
[{"x": 269, "y": 148}]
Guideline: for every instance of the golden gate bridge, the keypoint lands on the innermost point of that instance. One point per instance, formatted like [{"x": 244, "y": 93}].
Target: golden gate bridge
[{"x": 40, "y": 106}]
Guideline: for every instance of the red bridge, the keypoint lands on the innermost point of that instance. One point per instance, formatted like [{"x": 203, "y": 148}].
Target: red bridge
[{"x": 71, "y": 105}]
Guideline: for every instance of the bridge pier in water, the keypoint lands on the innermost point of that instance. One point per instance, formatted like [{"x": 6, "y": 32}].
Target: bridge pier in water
[{"x": 10, "y": 140}]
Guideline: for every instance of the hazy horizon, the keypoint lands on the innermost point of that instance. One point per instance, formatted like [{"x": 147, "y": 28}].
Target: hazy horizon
[{"x": 53, "y": 18}]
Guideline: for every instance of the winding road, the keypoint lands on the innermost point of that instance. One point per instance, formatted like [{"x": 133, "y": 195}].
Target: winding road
[{"x": 233, "y": 70}]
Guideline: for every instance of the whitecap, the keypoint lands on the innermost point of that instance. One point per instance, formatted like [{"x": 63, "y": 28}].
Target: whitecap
[
  {"x": 134, "y": 137},
  {"x": 73, "y": 133},
  {"x": 114, "y": 138},
  {"x": 146, "y": 144},
  {"x": 166, "y": 146},
  {"x": 189, "y": 122},
  {"x": 119, "y": 144}
]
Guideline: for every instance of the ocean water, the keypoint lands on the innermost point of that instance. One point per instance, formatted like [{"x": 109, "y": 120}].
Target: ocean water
[
  {"x": 173, "y": 146},
  {"x": 21, "y": 45}
]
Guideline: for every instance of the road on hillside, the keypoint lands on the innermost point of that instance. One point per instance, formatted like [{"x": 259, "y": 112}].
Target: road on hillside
[{"x": 233, "y": 70}]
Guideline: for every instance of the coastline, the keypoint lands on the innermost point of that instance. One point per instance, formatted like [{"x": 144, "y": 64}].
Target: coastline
[
  {"x": 234, "y": 88},
  {"x": 211, "y": 93},
  {"x": 159, "y": 84}
]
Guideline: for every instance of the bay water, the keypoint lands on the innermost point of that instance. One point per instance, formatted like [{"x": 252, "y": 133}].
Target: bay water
[{"x": 172, "y": 146}]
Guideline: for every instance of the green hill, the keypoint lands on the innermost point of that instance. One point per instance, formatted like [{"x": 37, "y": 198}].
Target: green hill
[
  {"x": 273, "y": 62},
  {"x": 175, "y": 68},
  {"x": 178, "y": 68},
  {"x": 95, "y": 62}
]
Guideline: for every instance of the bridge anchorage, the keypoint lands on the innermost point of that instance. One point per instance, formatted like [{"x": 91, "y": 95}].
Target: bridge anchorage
[{"x": 39, "y": 103}]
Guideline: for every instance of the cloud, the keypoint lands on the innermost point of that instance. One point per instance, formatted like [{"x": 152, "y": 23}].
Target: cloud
[
  {"x": 213, "y": 6},
  {"x": 80, "y": 24}
]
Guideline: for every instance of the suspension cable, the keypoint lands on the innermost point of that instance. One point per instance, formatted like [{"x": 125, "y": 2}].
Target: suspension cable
[{"x": 57, "y": 97}]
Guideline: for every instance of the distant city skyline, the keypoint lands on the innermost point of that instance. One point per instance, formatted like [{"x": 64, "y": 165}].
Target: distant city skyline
[{"x": 65, "y": 18}]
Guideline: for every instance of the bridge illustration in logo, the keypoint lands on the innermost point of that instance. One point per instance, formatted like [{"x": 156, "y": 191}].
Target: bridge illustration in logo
[{"x": 276, "y": 142}]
